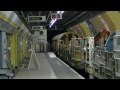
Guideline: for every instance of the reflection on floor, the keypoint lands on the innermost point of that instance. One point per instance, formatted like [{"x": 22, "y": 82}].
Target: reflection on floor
[{"x": 51, "y": 67}]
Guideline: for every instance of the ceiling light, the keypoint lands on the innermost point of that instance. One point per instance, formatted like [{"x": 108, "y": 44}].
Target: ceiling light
[
  {"x": 53, "y": 21},
  {"x": 58, "y": 11},
  {"x": 62, "y": 12}
]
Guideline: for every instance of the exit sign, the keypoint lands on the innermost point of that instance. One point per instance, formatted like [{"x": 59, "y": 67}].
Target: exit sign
[{"x": 36, "y": 18}]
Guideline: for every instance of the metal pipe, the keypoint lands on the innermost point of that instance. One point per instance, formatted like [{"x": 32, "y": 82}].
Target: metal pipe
[
  {"x": 70, "y": 16},
  {"x": 48, "y": 16},
  {"x": 39, "y": 14},
  {"x": 31, "y": 15},
  {"x": 76, "y": 17},
  {"x": 25, "y": 18}
]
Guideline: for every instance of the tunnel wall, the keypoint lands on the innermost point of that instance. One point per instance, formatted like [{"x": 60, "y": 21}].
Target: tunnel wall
[
  {"x": 12, "y": 20},
  {"x": 109, "y": 20}
]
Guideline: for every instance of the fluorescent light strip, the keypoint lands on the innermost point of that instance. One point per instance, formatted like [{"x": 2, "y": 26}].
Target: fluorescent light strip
[
  {"x": 58, "y": 11},
  {"x": 62, "y": 12},
  {"x": 53, "y": 21}
]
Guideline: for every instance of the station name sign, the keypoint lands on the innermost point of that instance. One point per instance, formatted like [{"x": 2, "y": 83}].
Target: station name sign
[
  {"x": 38, "y": 27},
  {"x": 36, "y": 18}
]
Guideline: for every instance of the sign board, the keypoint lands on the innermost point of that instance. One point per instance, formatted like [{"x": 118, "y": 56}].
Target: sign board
[
  {"x": 38, "y": 27},
  {"x": 56, "y": 16},
  {"x": 36, "y": 18}
]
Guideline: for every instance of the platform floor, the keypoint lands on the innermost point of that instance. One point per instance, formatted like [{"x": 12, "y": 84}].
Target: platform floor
[{"x": 51, "y": 67}]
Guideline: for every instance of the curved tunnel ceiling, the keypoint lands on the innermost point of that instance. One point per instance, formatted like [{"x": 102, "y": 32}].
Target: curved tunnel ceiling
[
  {"x": 86, "y": 23},
  {"x": 108, "y": 21},
  {"x": 70, "y": 18}
]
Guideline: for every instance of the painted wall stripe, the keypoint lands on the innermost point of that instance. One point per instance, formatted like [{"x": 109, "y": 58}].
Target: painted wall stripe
[{"x": 104, "y": 23}]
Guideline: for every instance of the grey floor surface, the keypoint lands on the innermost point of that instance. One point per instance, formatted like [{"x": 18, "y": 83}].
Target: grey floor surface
[{"x": 51, "y": 67}]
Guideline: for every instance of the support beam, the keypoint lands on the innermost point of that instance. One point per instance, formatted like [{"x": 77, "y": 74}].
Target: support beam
[
  {"x": 25, "y": 19},
  {"x": 48, "y": 16},
  {"x": 69, "y": 17},
  {"x": 76, "y": 18}
]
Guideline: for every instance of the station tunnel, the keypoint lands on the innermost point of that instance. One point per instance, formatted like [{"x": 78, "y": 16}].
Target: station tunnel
[{"x": 59, "y": 45}]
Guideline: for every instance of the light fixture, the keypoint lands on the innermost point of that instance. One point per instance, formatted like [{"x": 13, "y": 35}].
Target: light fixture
[
  {"x": 58, "y": 11},
  {"x": 53, "y": 21},
  {"x": 62, "y": 12}
]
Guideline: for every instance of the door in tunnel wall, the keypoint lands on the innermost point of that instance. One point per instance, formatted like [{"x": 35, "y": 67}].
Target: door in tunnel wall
[
  {"x": 3, "y": 50},
  {"x": 8, "y": 36},
  {"x": 0, "y": 49},
  {"x": 19, "y": 47}
]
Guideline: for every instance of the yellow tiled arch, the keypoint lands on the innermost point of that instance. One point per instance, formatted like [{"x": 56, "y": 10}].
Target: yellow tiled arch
[
  {"x": 109, "y": 22},
  {"x": 114, "y": 16},
  {"x": 93, "y": 21},
  {"x": 85, "y": 30}
]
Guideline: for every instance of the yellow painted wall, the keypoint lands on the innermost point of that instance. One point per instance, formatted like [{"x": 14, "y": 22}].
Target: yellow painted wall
[
  {"x": 99, "y": 23},
  {"x": 13, "y": 50},
  {"x": 78, "y": 30},
  {"x": 114, "y": 16},
  {"x": 112, "y": 19},
  {"x": 82, "y": 30},
  {"x": 4, "y": 18},
  {"x": 13, "y": 40},
  {"x": 85, "y": 30},
  {"x": 109, "y": 22},
  {"x": 96, "y": 27},
  {"x": 23, "y": 47},
  {"x": 16, "y": 51}
]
